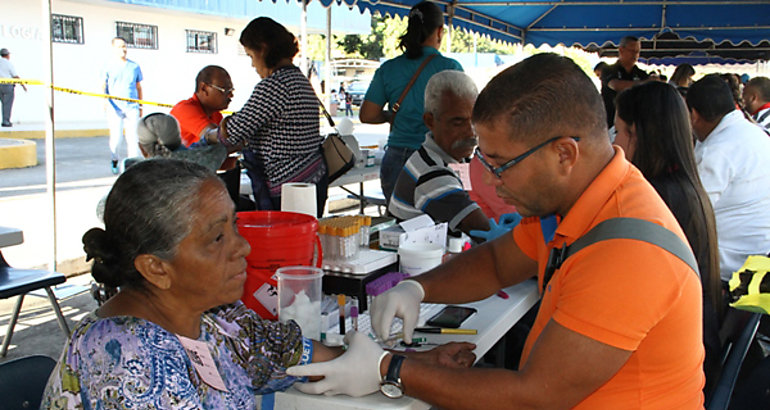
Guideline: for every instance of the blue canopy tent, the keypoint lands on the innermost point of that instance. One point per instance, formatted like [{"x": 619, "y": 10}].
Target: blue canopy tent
[
  {"x": 598, "y": 22},
  {"x": 694, "y": 58}
]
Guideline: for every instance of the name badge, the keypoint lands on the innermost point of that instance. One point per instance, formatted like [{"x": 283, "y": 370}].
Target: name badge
[
  {"x": 200, "y": 356},
  {"x": 464, "y": 172}
]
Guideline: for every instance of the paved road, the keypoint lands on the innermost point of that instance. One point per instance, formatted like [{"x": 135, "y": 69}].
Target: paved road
[
  {"x": 83, "y": 178},
  {"x": 77, "y": 160}
]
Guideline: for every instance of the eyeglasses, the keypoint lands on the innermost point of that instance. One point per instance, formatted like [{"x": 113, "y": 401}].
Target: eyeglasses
[
  {"x": 225, "y": 91},
  {"x": 499, "y": 170}
]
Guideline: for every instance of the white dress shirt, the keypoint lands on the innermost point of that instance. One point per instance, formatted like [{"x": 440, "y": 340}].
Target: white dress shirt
[{"x": 734, "y": 166}]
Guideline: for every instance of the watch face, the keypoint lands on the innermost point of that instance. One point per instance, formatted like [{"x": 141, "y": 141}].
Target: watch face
[{"x": 391, "y": 390}]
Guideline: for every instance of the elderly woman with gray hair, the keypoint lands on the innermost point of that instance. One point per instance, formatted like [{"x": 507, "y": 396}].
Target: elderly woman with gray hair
[
  {"x": 176, "y": 335},
  {"x": 160, "y": 136}
]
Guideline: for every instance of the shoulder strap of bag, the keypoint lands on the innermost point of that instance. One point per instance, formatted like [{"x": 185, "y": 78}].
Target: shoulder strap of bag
[
  {"x": 622, "y": 228},
  {"x": 395, "y": 107},
  {"x": 326, "y": 113}
]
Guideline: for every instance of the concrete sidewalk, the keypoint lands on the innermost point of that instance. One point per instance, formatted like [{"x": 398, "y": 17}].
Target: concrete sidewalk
[{"x": 84, "y": 179}]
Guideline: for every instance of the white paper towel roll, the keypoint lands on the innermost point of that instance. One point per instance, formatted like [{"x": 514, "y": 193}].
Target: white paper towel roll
[{"x": 298, "y": 197}]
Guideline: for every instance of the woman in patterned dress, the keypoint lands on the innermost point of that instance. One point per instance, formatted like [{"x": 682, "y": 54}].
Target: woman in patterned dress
[{"x": 176, "y": 335}]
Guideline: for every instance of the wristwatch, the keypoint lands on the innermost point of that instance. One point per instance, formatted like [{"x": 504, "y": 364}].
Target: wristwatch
[{"x": 391, "y": 387}]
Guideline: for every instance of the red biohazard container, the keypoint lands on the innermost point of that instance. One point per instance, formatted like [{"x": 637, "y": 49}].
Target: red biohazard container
[{"x": 277, "y": 239}]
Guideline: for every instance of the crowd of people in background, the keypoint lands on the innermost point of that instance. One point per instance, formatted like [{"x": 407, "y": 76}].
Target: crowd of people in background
[{"x": 618, "y": 323}]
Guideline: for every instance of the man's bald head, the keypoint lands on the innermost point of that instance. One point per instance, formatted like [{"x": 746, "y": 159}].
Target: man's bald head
[
  {"x": 541, "y": 97},
  {"x": 214, "y": 88},
  {"x": 206, "y": 75}
]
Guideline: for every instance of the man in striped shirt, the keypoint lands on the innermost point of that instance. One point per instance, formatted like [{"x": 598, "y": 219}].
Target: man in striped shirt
[{"x": 428, "y": 184}]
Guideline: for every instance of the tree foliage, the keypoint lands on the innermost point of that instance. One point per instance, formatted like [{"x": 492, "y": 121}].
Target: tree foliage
[{"x": 383, "y": 41}]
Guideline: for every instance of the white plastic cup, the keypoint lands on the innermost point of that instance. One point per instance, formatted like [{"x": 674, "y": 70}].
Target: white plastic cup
[
  {"x": 416, "y": 258},
  {"x": 299, "y": 298}
]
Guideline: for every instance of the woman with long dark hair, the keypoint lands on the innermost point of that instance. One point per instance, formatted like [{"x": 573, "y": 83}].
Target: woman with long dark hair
[
  {"x": 682, "y": 77},
  {"x": 654, "y": 130},
  {"x": 279, "y": 123},
  {"x": 407, "y": 130}
]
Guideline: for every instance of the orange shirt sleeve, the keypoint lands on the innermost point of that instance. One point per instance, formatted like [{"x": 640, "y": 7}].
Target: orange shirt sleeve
[
  {"x": 527, "y": 234},
  {"x": 192, "y": 120}
]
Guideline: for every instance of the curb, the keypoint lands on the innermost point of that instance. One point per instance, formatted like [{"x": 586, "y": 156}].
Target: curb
[
  {"x": 15, "y": 153},
  {"x": 59, "y": 133}
]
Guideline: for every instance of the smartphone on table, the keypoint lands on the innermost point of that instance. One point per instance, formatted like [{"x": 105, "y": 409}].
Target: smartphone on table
[{"x": 451, "y": 316}]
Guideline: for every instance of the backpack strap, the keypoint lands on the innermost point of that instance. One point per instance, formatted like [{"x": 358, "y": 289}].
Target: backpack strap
[{"x": 622, "y": 228}]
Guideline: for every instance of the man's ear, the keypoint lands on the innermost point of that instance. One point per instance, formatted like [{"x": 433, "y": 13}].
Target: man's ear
[
  {"x": 695, "y": 117},
  {"x": 427, "y": 118},
  {"x": 154, "y": 270},
  {"x": 568, "y": 151}
]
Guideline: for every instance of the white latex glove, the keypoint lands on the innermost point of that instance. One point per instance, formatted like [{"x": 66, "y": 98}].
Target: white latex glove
[
  {"x": 402, "y": 301},
  {"x": 355, "y": 373}
]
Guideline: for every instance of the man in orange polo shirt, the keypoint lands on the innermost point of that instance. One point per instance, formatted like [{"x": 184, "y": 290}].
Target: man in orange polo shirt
[
  {"x": 619, "y": 324},
  {"x": 200, "y": 115}
]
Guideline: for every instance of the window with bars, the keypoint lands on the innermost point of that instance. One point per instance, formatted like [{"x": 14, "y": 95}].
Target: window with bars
[
  {"x": 67, "y": 29},
  {"x": 138, "y": 35},
  {"x": 201, "y": 42}
]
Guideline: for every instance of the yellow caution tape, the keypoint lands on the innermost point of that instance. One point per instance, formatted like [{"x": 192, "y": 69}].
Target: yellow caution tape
[{"x": 90, "y": 94}]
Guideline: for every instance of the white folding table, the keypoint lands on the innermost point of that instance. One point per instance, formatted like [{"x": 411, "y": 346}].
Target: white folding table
[{"x": 495, "y": 316}]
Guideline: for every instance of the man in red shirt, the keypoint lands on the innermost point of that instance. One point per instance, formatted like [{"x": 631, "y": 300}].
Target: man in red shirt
[{"x": 200, "y": 115}]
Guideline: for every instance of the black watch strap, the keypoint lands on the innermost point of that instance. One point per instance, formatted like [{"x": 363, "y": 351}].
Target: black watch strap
[{"x": 394, "y": 369}]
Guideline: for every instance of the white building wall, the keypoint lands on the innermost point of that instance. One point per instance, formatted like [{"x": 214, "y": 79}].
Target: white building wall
[{"x": 169, "y": 71}]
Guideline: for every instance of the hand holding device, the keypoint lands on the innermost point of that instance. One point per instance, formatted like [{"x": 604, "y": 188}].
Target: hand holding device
[
  {"x": 402, "y": 301},
  {"x": 355, "y": 373},
  {"x": 507, "y": 223}
]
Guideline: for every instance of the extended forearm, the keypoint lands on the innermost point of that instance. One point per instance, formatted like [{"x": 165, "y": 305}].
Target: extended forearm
[
  {"x": 472, "y": 388},
  {"x": 477, "y": 273}
]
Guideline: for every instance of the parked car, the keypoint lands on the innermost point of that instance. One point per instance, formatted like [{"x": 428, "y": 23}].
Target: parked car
[{"x": 357, "y": 90}]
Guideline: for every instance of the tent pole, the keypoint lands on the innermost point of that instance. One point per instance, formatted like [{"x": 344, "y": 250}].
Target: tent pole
[
  {"x": 475, "y": 51},
  {"x": 50, "y": 145},
  {"x": 328, "y": 76},
  {"x": 303, "y": 64},
  {"x": 450, "y": 17}
]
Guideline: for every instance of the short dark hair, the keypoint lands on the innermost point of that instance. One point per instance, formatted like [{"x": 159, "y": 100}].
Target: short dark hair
[
  {"x": 762, "y": 86},
  {"x": 628, "y": 39},
  {"x": 424, "y": 18},
  {"x": 601, "y": 65},
  {"x": 264, "y": 32},
  {"x": 710, "y": 97},
  {"x": 148, "y": 211},
  {"x": 543, "y": 94},
  {"x": 206, "y": 74}
]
